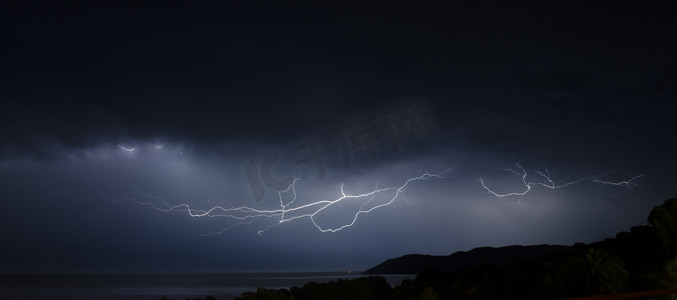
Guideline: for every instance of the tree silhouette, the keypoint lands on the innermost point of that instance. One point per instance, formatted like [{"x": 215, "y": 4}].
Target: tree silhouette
[
  {"x": 428, "y": 294},
  {"x": 664, "y": 220},
  {"x": 599, "y": 271},
  {"x": 670, "y": 274}
]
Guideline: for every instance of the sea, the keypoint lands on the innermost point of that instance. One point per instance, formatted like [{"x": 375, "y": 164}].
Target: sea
[{"x": 142, "y": 286}]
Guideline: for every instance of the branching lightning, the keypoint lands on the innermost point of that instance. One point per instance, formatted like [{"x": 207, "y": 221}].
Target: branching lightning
[
  {"x": 630, "y": 183},
  {"x": 547, "y": 182},
  {"x": 287, "y": 212},
  {"x": 293, "y": 206}
]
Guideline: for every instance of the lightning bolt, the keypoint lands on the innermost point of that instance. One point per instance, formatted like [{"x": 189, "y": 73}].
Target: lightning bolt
[
  {"x": 290, "y": 210},
  {"x": 548, "y": 183},
  {"x": 630, "y": 183},
  {"x": 287, "y": 212}
]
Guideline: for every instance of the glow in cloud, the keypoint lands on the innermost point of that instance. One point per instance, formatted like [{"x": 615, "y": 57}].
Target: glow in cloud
[{"x": 129, "y": 149}]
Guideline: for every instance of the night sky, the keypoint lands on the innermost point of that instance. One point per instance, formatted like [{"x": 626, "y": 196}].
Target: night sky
[{"x": 115, "y": 117}]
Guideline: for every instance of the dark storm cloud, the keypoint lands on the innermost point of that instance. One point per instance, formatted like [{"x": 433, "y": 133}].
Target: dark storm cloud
[
  {"x": 76, "y": 74},
  {"x": 81, "y": 73}
]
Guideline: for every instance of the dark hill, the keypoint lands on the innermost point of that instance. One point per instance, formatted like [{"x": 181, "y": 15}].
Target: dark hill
[{"x": 415, "y": 263}]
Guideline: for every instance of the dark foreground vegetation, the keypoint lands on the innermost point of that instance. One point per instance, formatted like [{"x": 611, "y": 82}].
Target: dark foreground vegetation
[{"x": 645, "y": 258}]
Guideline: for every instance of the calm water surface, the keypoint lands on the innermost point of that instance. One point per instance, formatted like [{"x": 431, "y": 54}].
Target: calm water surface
[{"x": 154, "y": 286}]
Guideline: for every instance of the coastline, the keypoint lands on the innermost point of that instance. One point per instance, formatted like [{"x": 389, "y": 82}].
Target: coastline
[{"x": 117, "y": 286}]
